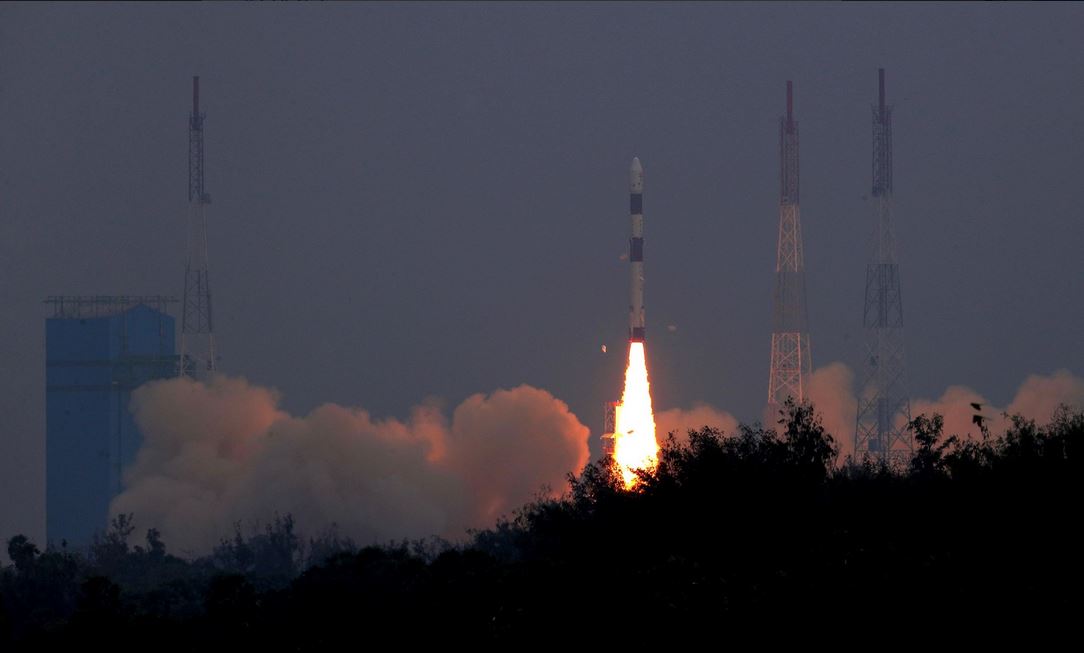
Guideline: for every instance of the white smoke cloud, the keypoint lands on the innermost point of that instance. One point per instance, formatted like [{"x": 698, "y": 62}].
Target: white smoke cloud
[
  {"x": 1037, "y": 399},
  {"x": 507, "y": 446},
  {"x": 954, "y": 405},
  {"x": 830, "y": 390},
  {"x": 1039, "y": 396},
  {"x": 220, "y": 452},
  {"x": 680, "y": 421},
  {"x": 832, "y": 393}
]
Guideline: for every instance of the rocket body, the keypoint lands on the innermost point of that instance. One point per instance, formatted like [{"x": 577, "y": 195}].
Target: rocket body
[{"x": 636, "y": 252}]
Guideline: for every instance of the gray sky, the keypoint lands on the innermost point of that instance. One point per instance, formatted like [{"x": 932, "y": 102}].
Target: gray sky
[{"x": 416, "y": 200}]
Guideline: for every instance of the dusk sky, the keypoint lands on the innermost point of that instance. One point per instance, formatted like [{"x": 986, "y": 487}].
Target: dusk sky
[{"x": 431, "y": 200}]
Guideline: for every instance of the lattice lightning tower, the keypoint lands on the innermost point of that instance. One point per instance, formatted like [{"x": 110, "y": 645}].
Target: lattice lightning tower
[
  {"x": 884, "y": 410},
  {"x": 197, "y": 355},
  {"x": 792, "y": 361}
]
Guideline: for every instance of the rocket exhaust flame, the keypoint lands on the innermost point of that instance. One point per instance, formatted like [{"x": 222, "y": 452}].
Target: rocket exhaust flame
[{"x": 635, "y": 446}]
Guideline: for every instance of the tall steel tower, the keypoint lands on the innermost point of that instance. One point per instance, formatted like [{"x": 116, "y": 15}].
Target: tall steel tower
[
  {"x": 792, "y": 361},
  {"x": 197, "y": 355},
  {"x": 883, "y": 407}
]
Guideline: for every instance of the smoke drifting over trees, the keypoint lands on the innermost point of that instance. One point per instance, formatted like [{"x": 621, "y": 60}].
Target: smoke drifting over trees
[
  {"x": 680, "y": 421},
  {"x": 222, "y": 452},
  {"x": 832, "y": 393},
  {"x": 1037, "y": 398}
]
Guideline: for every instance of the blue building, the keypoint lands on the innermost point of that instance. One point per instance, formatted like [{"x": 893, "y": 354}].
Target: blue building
[{"x": 97, "y": 351}]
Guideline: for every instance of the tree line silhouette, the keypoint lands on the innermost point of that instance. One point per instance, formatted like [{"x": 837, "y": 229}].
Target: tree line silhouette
[{"x": 757, "y": 533}]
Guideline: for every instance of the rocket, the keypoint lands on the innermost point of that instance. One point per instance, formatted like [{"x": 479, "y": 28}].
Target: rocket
[{"x": 636, "y": 252}]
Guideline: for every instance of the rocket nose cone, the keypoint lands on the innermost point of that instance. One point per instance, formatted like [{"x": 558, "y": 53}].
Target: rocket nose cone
[{"x": 636, "y": 176}]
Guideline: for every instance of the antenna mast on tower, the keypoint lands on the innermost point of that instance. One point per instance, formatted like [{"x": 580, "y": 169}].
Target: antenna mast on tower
[
  {"x": 884, "y": 410},
  {"x": 197, "y": 355},
  {"x": 792, "y": 361}
]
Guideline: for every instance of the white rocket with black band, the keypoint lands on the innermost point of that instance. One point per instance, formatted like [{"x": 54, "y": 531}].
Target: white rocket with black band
[{"x": 636, "y": 252}]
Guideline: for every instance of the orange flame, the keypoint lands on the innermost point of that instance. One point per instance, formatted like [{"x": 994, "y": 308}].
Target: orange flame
[{"x": 634, "y": 422}]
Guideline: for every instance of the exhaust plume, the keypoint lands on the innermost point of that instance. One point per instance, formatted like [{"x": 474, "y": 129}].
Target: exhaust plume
[
  {"x": 831, "y": 391},
  {"x": 222, "y": 451},
  {"x": 635, "y": 446},
  {"x": 680, "y": 421},
  {"x": 1037, "y": 398}
]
